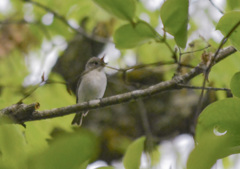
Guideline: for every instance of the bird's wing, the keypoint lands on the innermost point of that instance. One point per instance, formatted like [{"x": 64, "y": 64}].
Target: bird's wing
[{"x": 78, "y": 84}]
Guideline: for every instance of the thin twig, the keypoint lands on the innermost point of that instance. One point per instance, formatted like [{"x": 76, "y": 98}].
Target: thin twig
[
  {"x": 205, "y": 88},
  {"x": 20, "y": 21},
  {"x": 224, "y": 40},
  {"x": 198, "y": 50},
  {"x": 144, "y": 117},
  {"x": 174, "y": 56},
  {"x": 65, "y": 21},
  {"x": 146, "y": 126},
  {"x": 179, "y": 61},
  {"x": 207, "y": 71},
  {"x": 39, "y": 85},
  {"x": 140, "y": 66},
  {"x": 215, "y": 6}
]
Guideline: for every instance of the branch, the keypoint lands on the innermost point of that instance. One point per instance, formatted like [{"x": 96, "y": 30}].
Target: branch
[
  {"x": 198, "y": 50},
  {"x": 205, "y": 88},
  {"x": 215, "y": 6},
  {"x": 117, "y": 99},
  {"x": 212, "y": 62},
  {"x": 18, "y": 112},
  {"x": 65, "y": 21},
  {"x": 20, "y": 21}
]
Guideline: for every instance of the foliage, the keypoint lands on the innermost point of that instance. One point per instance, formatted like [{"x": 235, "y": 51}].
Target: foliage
[
  {"x": 124, "y": 9},
  {"x": 217, "y": 131},
  {"x": 132, "y": 157},
  {"x": 226, "y": 23},
  {"x": 139, "y": 33},
  {"x": 233, "y": 5},
  {"x": 69, "y": 150},
  {"x": 235, "y": 84},
  {"x": 174, "y": 14}
]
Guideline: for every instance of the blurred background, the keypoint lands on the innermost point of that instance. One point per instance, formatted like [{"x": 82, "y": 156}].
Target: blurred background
[{"x": 54, "y": 39}]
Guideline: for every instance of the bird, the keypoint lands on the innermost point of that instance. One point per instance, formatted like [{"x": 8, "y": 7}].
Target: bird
[{"x": 91, "y": 85}]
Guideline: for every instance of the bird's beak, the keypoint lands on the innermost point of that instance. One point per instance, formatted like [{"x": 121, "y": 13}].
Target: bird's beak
[{"x": 102, "y": 60}]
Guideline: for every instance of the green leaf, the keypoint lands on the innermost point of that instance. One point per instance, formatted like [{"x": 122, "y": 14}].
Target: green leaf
[
  {"x": 108, "y": 167},
  {"x": 226, "y": 24},
  {"x": 231, "y": 66},
  {"x": 12, "y": 73},
  {"x": 129, "y": 36},
  {"x": 235, "y": 84},
  {"x": 123, "y": 9},
  {"x": 13, "y": 146},
  {"x": 59, "y": 28},
  {"x": 233, "y": 4},
  {"x": 84, "y": 165},
  {"x": 207, "y": 153},
  {"x": 174, "y": 15},
  {"x": 132, "y": 157},
  {"x": 69, "y": 151},
  {"x": 217, "y": 134},
  {"x": 155, "y": 156}
]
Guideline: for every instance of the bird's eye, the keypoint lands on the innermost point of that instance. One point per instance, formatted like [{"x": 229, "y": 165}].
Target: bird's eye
[{"x": 95, "y": 63}]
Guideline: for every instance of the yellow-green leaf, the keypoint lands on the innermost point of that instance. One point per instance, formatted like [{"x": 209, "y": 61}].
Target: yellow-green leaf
[
  {"x": 129, "y": 36},
  {"x": 123, "y": 9},
  {"x": 13, "y": 146},
  {"x": 233, "y": 4},
  {"x": 226, "y": 24},
  {"x": 235, "y": 84},
  {"x": 108, "y": 167},
  {"x": 174, "y": 15},
  {"x": 68, "y": 151},
  {"x": 132, "y": 157},
  {"x": 217, "y": 134}
]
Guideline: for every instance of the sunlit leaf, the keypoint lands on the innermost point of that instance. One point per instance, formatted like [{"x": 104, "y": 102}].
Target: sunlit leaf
[
  {"x": 108, "y": 167},
  {"x": 160, "y": 50},
  {"x": 233, "y": 4},
  {"x": 227, "y": 23},
  {"x": 12, "y": 72},
  {"x": 231, "y": 65},
  {"x": 13, "y": 146},
  {"x": 217, "y": 133},
  {"x": 174, "y": 15},
  {"x": 155, "y": 156},
  {"x": 84, "y": 165},
  {"x": 132, "y": 157},
  {"x": 59, "y": 28},
  {"x": 209, "y": 151},
  {"x": 123, "y": 9},
  {"x": 69, "y": 151},
  {"x": 235, "y": 84},
  {"x": 129, "y": 36}
]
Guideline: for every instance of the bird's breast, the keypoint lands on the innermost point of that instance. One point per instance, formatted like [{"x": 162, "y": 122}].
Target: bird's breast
[{"x": 92, "y": 86}]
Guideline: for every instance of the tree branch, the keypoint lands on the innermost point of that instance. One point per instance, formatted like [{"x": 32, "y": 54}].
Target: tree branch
[
  {"x": 205, "y": 88},
  {"x": 19, "y": 112},
  {"x": 215, "y": 6},
  {"x": 65, "y": 21},
  {"x": 209, "y": 67},
  {"x": 20, "y": 21},
  {"x": 21, "y": 117}
]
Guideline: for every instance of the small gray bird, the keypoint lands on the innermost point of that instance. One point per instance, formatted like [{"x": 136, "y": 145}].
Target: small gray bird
[{"x": 91, "y": 85}]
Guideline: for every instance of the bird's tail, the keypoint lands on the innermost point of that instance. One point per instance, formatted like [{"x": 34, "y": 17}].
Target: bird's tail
[{"x": 78, "y": 118}]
